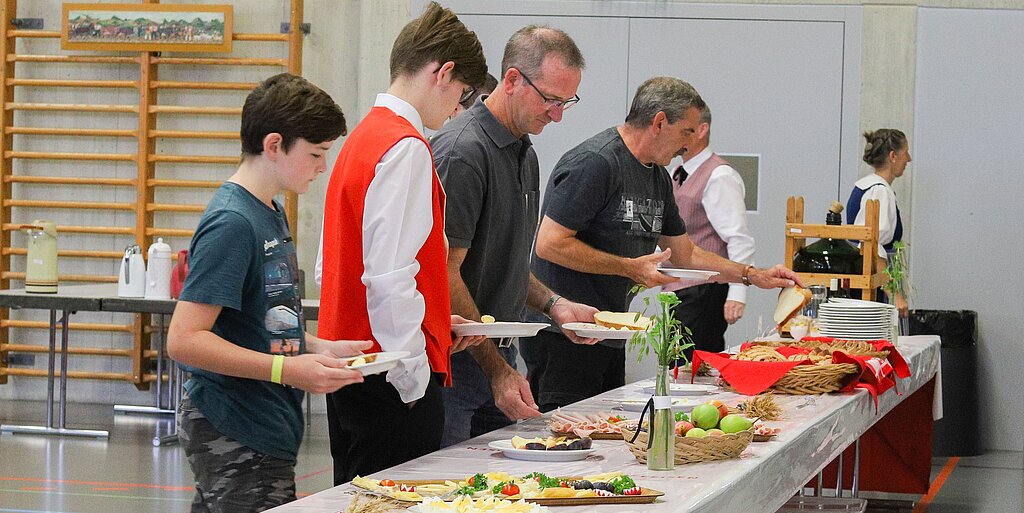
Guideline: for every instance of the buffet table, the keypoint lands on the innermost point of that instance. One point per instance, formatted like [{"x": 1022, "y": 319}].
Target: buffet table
[{"x": 816, "y": 430}]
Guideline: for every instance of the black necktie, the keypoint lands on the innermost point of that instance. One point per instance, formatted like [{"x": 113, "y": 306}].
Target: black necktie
[{"x": 680, "y": 175}]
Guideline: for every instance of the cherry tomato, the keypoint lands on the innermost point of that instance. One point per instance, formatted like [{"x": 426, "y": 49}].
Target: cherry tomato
[
  {"x": 564, "y": 484},
  {"x": 470, "y": 481},
  {"x": 387, "y": 482},
  {"x": 510, "y": 489}
]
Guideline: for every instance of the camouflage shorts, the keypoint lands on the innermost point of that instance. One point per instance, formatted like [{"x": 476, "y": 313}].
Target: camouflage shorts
[{"x": 230, "y": 477}]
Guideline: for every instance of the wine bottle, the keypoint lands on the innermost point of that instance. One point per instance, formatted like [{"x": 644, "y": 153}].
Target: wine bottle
[{"x": 828, "y": 255}]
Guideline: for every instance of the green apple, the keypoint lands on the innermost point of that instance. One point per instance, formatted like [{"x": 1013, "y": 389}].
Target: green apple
[
  {"x": 696, "y": 433},
  {"x": 704, "y": 416},
  {"x": 735, "y": 423}
]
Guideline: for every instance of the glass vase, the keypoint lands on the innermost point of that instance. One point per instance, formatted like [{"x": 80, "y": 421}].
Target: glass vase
[
  {"x": 661, "y": 452},
  {"x": 894, "y": 319}
]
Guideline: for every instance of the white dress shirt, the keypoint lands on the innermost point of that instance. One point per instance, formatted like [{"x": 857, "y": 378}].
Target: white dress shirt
[
  {"x": 727, "y": 212},
  {"x": 886, "y": 208},
  {"x": 397, "y": 218}
]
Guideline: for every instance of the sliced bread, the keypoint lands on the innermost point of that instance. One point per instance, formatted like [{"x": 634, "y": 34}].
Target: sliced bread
[
  {"x": 791, "y": 301},
  {"x": 619, "y": 320}
]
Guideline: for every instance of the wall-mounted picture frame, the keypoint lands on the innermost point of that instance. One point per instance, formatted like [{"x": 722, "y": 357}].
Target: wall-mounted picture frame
[{"x": 146, "y": 27}]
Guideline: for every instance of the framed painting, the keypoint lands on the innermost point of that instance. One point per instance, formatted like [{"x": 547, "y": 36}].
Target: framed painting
[{"x": 146, "y": 27}]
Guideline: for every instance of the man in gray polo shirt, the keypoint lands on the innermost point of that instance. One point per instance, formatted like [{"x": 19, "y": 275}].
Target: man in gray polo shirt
[{"x": 490, "y": 173}]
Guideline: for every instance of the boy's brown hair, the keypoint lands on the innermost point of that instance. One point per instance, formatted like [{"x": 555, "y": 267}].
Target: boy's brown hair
[
  {"x": 293, "y": 107},
  {"x": 438, "y": 36}
]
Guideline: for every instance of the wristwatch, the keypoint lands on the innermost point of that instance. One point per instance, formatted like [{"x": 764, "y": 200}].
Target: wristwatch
[
  {"x": 746, "y": 275},
  {"x": 551, "y": 303}
]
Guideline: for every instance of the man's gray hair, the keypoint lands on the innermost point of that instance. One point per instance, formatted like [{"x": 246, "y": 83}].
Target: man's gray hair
[
  {"x": 528, "y": 47},
  {"x": 705, "y": 114},
  {"x": 663, "y": 94}
]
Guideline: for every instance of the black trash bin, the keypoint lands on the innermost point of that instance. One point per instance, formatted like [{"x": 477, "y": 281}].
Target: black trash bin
[{"x": 956, "y": 434}]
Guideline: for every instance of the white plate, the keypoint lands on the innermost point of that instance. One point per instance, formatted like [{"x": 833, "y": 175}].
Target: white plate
[
  {"x": 828, "y": 323},
  {"x": 589, "y": 330},
  {"x": 685, "y": 389},
  {"x": 505, "y": 446},
  {"x": 637, "y": 405},
  {"x": 499, "y": 329},
  {"x": 384, "y": 362},
  {"x": 688, "y": 274}
]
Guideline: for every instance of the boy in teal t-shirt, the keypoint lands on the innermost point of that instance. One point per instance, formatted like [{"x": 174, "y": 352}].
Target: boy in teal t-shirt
[{"x": 238, "y": 327}]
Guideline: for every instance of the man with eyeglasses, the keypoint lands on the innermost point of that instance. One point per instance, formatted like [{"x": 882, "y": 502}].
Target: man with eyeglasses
[
  {"x": 608, "y": 206},
  {"x": 491, "y": 176}
]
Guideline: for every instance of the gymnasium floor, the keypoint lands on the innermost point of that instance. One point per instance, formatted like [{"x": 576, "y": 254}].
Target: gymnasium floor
[{"x": 128, "y": 474}]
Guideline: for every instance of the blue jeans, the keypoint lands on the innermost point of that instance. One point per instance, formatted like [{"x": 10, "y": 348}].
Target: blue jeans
[{"x": 469, "y": 409}]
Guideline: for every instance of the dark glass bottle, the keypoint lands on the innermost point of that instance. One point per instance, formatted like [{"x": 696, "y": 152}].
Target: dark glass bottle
[{"x": 835, "y": 256}]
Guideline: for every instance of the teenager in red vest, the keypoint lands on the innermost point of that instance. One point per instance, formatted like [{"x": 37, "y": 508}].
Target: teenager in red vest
[{"x": 384, "y": 254}]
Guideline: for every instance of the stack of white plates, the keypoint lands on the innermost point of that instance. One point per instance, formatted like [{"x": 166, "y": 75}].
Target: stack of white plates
[{"x": 854, "y": 319}]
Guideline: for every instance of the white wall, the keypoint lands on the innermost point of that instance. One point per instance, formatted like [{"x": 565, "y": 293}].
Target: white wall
[
  {"x": 968, "y": 241},
  {"x": 952, "y": 68}
]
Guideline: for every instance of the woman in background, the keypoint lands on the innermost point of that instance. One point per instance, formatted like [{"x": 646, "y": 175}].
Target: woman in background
[{"x": 888, "y": 152}]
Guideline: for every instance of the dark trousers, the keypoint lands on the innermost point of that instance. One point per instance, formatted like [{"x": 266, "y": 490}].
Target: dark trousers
[
  {"x": 702, "y": 309},
  {"x": 469, "y": 409},
  {"x": 569, "y": 372},
  {"x": 371, "y": 429}
]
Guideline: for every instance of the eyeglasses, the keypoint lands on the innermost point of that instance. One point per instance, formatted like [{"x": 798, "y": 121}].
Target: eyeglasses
[
  {"x": 552, "y": 103},
  {"x": 467, "y": 93}
]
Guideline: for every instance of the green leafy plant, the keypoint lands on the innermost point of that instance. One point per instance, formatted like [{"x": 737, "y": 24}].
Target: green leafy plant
[
  {"x": 666, "y": 336},
  {"x": 897, "y": 271}
]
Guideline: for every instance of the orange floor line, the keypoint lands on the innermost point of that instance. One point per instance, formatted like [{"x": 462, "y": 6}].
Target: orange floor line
[
  {"x": 936, "y": 485},
  {"x": 97, "y": 483},
  {"x": 311, "y": 474}
]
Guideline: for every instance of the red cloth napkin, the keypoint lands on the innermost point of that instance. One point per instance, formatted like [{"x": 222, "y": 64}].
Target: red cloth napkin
[
  {"x": 752, "y": 378},
  {"x": 748, "y": 378},
  {"x": 895, "y": 359}
]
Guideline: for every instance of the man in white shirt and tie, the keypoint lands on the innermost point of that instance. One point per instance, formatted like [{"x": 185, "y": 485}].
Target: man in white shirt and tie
[{"x": 709, "y": 193}]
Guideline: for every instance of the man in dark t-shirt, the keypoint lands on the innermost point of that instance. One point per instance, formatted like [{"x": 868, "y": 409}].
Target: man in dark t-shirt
[{"x": 608, "y": 207}]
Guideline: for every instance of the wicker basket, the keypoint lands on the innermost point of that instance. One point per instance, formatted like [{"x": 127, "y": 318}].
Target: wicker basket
[
  {"x": 694, "y": 450},
  {"x": 815, "y": 379}
]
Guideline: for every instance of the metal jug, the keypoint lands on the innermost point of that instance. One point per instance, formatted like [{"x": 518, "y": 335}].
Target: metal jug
[
  {"x": 158, "y": 271},
  {"x": 41, "y": 268},
  {"x": 131, "y": 281}
]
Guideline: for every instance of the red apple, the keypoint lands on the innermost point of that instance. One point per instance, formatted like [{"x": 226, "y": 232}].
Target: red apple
[
  {"x": 682, "y": 427},
  {"x": 722, "y": 409}
]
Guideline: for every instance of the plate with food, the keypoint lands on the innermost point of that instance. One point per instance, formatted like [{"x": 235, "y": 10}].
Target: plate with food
[
  {"x": 374, "y": 363},
  {"x": 688, "y": 274},
  {"x": 637, "y": 405},
  {"x": 597, "y": 426},
  {"x": 544, "y": 449},
  {"x": 492, "y": 487},
  {"x": 685, "y": 389},
  {"x": 499, "y": 329},
  {"x": 591, "y": 330},
  {"x": 626, "y": 323}
]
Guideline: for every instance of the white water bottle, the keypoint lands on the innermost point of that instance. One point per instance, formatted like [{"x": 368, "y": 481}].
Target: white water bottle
[{"x": 158, "y": 272}]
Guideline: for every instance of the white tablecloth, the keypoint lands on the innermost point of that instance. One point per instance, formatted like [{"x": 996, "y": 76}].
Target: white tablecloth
[{"x": 815, "y": 431}]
